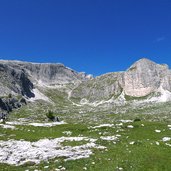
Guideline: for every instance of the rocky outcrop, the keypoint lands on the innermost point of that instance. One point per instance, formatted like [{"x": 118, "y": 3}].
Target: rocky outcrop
[
  {"x": 4, "y": 105},
  {"x": 20, "y": 77},
  {"x": 48, "y": 73},
  {"x": 8, "y": 104},
  {"x": 15, "y": 81},
  {"x": 99, "y": 88},
  {"x": 145, "y": 77},
  {"x": 141, "y": 79}
]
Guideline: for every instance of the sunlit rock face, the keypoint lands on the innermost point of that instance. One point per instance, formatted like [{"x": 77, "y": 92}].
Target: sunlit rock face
[
  {"x": 141, "y": 79},
  {"x": 145, "y": 77}
]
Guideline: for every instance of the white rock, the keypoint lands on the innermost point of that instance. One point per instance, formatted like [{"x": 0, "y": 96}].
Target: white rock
[
  {"x": 5, "y": 126},
  {"x": 132, "y": 142},
  {"x": 49, "y": 124},
  {"x": 109, "y": 138},
  {"x": 130, "y": 126},
  {"x": 67, "y": 133},
  {"x": 17, "y": 152},
  {"x": 166, "y": 139},
  {"x": 168, "y": 144},
  {"x": 46, "y": 124},
  {"x": 157, "y": 143},
  {"x": 126, "y": 121},
  {"x": 158, "y": 131},
  {"x": 103, "y": 125}
]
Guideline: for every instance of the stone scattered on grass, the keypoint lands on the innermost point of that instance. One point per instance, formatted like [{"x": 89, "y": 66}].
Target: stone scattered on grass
[
  {"x": 131, "y": 143},
  {"x": 109, "y": 138},
  {"x": 17, "y": 152},
  {"x": 119, "y": 168},
  {"x": 103, "y": 125},
  {"x": 169, "y": 126},
  {"x": 69, "y": 133},
  {"x": 166, "y": 139},
  {"x": 126, "y": 121},
  {"x": 168, "y": 144},
  {"x": 158, "y": 131},
  {"x": 130, "y": 126},
  {"x": 157, "y": 143},
  {"x": 84, "y": 168},
  {"x": 120, "y": 124},
  {"x": 46, "y": 124},
  {"x": 5, "y": 126}
]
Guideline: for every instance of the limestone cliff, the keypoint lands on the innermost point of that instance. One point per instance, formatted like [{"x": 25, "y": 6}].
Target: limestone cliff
[
  {"x": 141, "y": 79},
  {"x": 145, "y": 77},
  {"x": 18, "y": 77}
]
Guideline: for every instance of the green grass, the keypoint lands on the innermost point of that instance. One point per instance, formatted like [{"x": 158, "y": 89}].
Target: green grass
[
  {"x": 143, "y": 155},
  {"x": 31, "y": 133}
]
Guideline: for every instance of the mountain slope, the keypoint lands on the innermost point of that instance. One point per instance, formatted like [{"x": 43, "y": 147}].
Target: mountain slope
[
  {"x": 144, "y": 81},
  {"x": 22, "y": 77}
]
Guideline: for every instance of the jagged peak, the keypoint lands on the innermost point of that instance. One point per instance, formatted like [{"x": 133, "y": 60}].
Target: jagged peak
[
  {"x": 146, "y": 63},
  {"x": 25, "y": 62},
  {"x": 143, "y": 62}
]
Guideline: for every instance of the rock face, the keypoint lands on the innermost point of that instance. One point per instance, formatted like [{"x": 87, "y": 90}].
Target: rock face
[
  {"x": 9, "y": 103},
  {"x": 99, "y": 88},
  {"x": 14, "y": 80},
  {"x": 20, "y": 77},
  {"x": 143, "y": 78}
]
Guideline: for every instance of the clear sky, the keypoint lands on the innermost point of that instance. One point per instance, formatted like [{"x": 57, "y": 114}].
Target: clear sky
[{"x": 95, "y": 36}]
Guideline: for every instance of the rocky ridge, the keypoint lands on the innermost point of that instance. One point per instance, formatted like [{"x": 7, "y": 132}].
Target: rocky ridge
[
  {"x": 145, "y": 80},
  {"x": 22, "y": 77}
]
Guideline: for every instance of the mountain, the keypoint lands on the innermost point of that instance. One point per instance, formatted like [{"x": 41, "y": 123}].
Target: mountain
[
  {"x": 22, "y": 77},
  {"x": 144, "y": 81},
  {"x": 144, "y": 78}
]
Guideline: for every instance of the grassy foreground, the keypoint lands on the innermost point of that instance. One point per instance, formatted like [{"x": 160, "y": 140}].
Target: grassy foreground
[{"x": 138, "y": 149}]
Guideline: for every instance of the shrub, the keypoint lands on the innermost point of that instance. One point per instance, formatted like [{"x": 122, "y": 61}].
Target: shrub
[
  {"x": 137, "y": 120},
  {"x": 9, "y": 95},
  {"x": 50, "y": 115}
]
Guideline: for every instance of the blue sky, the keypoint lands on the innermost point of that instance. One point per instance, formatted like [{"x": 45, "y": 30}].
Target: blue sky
[{"x": 95, "y": 36}]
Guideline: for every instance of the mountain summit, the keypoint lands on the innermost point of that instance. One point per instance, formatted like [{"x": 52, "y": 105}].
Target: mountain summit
[{"x": 145, "y": 77}]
